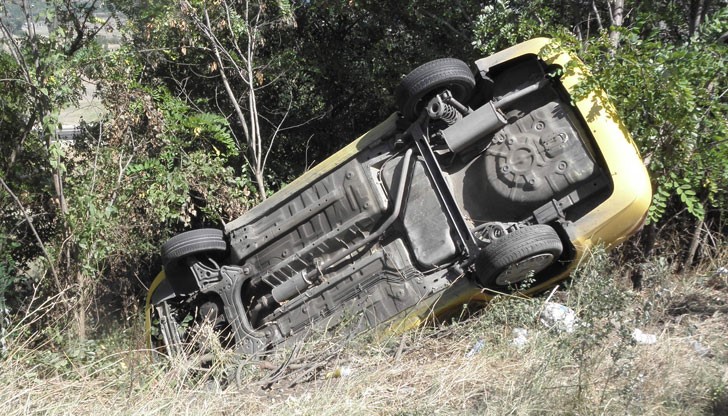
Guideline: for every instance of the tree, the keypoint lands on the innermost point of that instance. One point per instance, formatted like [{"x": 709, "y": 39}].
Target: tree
[
  {"x": 352, "y": 55},
  {"x": 222, "y": 58},
  {"x": 323, "y": 72},
  {"x": 94, "y": 210},
  {"x": 44, "y": 74}
]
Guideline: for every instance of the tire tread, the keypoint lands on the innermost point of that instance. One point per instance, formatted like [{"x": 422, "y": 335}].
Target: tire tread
[{"x": 193, "y": 242}]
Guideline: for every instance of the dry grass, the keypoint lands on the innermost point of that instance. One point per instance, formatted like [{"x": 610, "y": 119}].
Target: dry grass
[{"x": 597, "y": 369}]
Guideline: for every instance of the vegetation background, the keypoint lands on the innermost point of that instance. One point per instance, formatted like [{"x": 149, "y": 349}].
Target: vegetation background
[{"x": 209, "y": 106}]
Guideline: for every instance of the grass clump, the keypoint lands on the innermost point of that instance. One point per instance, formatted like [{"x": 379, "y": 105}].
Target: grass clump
[{"x": 502, "y": 360}]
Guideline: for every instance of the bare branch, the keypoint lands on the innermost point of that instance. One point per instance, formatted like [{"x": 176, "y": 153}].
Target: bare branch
[
  {"x": 234, "y": 55},
  {"x": 597, "y": 15},
  {"x": 218, "y": 58},
  {"x": 277, "y": 130},
  {"x": 15, "y": 52}
]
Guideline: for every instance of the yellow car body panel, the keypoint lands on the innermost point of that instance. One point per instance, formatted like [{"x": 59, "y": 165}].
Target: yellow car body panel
[{"x": 148, "y": 307}]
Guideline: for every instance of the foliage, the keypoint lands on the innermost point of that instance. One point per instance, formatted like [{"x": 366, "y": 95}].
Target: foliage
[
  {"x": 8, "y": 279},
  {"x": 351, "y": 56},
  {"x": 232, "y": 48},
  {"x": 92, "y": 214},
  {"x": 152, "y": 166},
  {"x": 677, "y": 116},
  {"x": 324, "y": 71},
  {"x": 44, "y": 64},
  {"x": 504, "y": 23}
]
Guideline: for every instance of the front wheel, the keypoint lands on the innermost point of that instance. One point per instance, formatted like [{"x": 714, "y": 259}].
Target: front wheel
[
  {"x": 208, "y": 242},
  {"x": 516, "y": 256}
]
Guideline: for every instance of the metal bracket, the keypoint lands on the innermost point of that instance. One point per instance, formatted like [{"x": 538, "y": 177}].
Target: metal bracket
[
  {"x": 170, "y": 329},
  {"x": 228, "y": 286},
  {"x": 554, "y": 209},
  {"x": 204, "y": 274}
]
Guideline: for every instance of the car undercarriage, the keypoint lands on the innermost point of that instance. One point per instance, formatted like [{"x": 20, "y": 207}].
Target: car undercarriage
[{"x": 477, "y": 185}]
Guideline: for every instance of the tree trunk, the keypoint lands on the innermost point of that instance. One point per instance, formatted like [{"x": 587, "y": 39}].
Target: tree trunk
[
  {"x": 698, "y": 9},
  {"x": 617, "y": 16},
  {"x": 251, "y": 123},
  {"x": 694, "y": 243}
]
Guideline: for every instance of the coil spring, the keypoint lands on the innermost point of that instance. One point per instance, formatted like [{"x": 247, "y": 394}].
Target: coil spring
[{"x": 439, "y": 110}]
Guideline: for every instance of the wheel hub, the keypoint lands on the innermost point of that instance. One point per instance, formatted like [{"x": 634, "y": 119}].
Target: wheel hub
[{"x": 519, "y": 271}]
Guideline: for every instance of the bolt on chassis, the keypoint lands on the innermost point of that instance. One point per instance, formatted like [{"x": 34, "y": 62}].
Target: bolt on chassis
[{"x": 497, "y": 181}]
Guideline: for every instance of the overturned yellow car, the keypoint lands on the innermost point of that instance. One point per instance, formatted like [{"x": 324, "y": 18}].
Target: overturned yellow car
[{"x": 496, "y": 178}]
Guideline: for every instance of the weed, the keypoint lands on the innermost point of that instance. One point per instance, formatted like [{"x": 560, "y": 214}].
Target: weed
[{"x": 596, "y": 369}]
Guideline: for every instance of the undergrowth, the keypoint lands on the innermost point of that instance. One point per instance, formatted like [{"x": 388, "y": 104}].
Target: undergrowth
[{"x": 501, "y": 360}]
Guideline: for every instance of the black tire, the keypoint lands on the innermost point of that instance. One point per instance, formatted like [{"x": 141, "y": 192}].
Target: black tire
[
  {"x": 204, "y": 240},
  {"x": 429, "y": 79},
  {"x": 208, "y": 241},
  {"x": 507, "y": 261}
]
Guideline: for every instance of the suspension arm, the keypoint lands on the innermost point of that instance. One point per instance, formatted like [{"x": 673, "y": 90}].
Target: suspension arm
[{"x": 466, "y": 241}]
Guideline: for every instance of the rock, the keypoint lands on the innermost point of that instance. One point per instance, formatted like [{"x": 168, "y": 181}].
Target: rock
[{"x": 699, "y": 348}]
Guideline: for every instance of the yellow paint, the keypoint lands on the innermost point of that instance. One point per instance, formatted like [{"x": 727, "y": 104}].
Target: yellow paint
[{"x": 148, "y": 307}]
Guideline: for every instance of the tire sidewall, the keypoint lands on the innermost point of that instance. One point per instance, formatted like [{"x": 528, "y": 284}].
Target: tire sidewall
[
  {"x": 515, "y": 247},
  {"x": 416, "y": 89}
]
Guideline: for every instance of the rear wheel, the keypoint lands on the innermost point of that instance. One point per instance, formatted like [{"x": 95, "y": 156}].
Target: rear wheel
[
  {"x": 513, "y": 258},
  {"x": 427, "y": 80}
]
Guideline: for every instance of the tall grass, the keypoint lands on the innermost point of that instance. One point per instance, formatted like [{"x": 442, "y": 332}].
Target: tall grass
[{"x": 468, "y": 367}]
